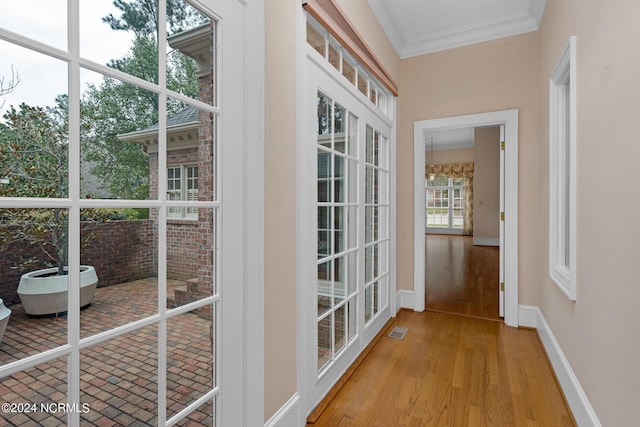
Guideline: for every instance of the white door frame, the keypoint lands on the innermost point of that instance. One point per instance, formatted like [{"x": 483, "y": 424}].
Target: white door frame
[{"x": 508, "y": 118}]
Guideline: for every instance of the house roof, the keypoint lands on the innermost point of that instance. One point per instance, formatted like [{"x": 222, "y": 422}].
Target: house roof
[{"x": 182, "y": 125}]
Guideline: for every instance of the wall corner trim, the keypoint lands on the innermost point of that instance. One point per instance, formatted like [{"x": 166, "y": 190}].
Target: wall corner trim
[
  {"x": 404, "y": 299},
  {"x": 583, "y": 412},
  {"x": 289, "y": 414}
]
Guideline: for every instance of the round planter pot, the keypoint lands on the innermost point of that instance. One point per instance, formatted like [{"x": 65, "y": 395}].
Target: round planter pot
[
  {"x": 43, "y": 293},
  {"x": 4, "y": 318}
]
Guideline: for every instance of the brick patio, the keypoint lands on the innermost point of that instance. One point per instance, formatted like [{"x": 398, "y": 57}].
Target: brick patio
[{"x": 118, "y": 377}]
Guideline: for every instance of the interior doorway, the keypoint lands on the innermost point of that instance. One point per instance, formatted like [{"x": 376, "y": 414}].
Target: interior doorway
[
  {"x": 508, "y": 286},
  {"x": 463, "y": 228}
]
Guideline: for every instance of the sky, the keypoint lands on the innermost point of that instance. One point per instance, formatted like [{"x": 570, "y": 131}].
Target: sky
[{"x": 43, "y": 77}]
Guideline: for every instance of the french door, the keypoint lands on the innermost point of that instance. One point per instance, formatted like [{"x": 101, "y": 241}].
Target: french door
[
  {"x": 345, "y": 205},
  {"x": 161, "y": 343}
]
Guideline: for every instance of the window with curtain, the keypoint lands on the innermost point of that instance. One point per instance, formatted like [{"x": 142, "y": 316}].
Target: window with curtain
[{"x": 450, "y": 197}]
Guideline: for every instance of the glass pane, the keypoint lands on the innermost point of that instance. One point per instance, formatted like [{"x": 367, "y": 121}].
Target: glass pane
[
  {"x": 315, "y": 39},
  {"x": 33, "y": 124},
  {"x": 120, "y": 246},
  {"x": 383, "y": 152},
  {"x": 334, "y": 56},
  {"x": 126, "y": 40},
  {"x": 119, "y": 141},
  {"x": 340, "y": 126},
  {"x": 368, "y": 224},
  {"x": 340, "y": 333},
  {"x": 383, "y": 225},
  {"x": 324, "y": 287},
  {"x": 339, "y": 285},
  {"x": 324, "y": 232},
  {"x": 376, "y": 261},
  {"x": 376, "y": 147},
  {"x": 368, "y": 264},
  {"x": 369, "y": 185},
  {"x": 324, "y": 342},
  {"x": 202, "y": 416},
  {"x": 339, "y": 174},
  {"x": 373, "y": 96},
  {"x": 190, "y": 52},
  {"x": 33, "y": 254},
  {"x": 375, "y": 223},
  {"x": 362, "y": 82},
  {"x": 45, "y": 21},
  {"x": 121, "y": 386},
  {"x": 375, "y": 298},
  {"x": 439, "y": 181},
  {"x": 324, "y": 176},
  {"x": 348, "y": 71},
  {"x": 339, "y": 227},
  {"x": 324, "y": 120},
  {"x": 353, "y": 135},
  {"x": 190, "y": 356},
  {"x": 369, "y": 145},
  {"x": 38, "y": 391},
  {"x": 190, "y": 259}
]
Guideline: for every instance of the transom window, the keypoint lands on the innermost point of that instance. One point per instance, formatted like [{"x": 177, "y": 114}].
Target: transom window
[
  {"x": 445, "y": 203},
  {"x": 339, "y": 58}
]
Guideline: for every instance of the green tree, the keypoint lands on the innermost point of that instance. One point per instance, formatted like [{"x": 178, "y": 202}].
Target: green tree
[
  {"x": 33, "y": 163},
  {"x": 114, "y": 108}
]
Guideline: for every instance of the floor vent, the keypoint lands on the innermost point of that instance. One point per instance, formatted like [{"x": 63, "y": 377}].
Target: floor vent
[{"x": 398, "y": 332}]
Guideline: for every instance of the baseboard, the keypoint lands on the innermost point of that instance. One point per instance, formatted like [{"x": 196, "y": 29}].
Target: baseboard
[
  {"x": 581, "y": 408},
  {"x": 404, "y": 299},
  {"x": 288, "y": 415},
  {"x": 484, "y": 241}
]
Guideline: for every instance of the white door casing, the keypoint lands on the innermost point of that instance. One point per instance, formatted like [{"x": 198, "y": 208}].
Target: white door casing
[{"x": 508, "y": 118}]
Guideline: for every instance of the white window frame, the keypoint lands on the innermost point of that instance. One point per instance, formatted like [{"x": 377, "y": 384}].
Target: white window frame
[
  {"x": 562, "y": 172},
  {"x": 451, "y": 189},
  {"x": 189, "y": 213},
  {"x": 239, "y": 251},
  {"x": 320, "y": 75}
]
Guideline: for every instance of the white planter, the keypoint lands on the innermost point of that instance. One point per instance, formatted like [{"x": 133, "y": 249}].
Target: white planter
[
  {"x": 42, "y": 292},
  {"x": 4, "y": 318}
]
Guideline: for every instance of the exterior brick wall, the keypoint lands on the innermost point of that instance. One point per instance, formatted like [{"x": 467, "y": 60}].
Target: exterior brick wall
[{"x": 120, "y": 251}]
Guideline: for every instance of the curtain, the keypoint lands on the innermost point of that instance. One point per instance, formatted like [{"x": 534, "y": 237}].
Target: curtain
[{"x": 458, "y": 170}]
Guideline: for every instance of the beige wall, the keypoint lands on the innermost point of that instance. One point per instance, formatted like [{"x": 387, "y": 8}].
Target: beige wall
[
  {"x": 365, "y": 22},
  {"x": 486, "y": 183},
  {"x": 491, "y": 76},
  {"x": 451, "y": 156},
  {"x": 280, "y": 184},
  {"x": 280, "y": 204},
  {"x": 599, "y": 332}
]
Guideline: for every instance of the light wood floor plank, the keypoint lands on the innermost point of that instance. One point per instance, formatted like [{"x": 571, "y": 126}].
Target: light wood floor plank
[
  {"x": 451, "y": 371},
  {"x": 461, "y": 278}
]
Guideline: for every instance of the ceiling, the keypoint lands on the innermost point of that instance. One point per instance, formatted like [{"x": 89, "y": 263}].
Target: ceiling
[
  {"x": 416, "y": 27},
  {"x": 450, "y": 139}
]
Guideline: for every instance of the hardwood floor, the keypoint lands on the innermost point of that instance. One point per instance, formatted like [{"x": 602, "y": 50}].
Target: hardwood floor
[
  {"x": 461, "y": 278},
  {"x": 451, "y": 371}
]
